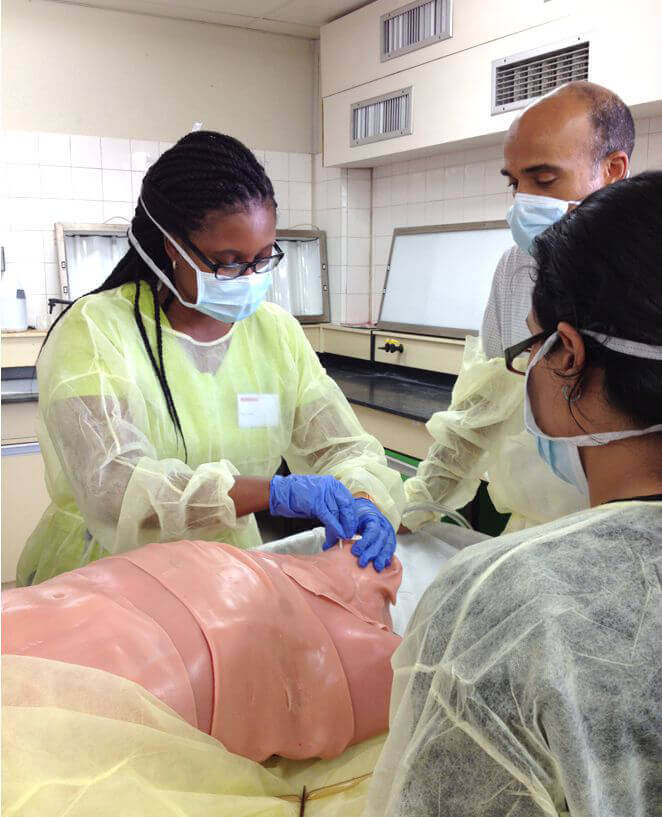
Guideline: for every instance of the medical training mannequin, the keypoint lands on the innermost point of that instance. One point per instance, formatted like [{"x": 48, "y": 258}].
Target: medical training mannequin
[
  {"x": 169, "y": 396},
  {"x": 564, "y": 146},
  {"x": 528, "y": 682},
  {"x": 271, "y": 654}
]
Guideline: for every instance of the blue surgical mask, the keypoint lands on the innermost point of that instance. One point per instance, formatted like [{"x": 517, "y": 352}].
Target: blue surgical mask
[
  {"x": 562, "y": 453},
  {"x": 530, "y": 215},
  {"x": 227, "y": 301}
]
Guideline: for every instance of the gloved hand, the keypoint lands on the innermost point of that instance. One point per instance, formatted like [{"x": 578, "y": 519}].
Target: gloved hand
[
  {"x": 313, "y": 497},
  {"x": 377, "y": 542}
]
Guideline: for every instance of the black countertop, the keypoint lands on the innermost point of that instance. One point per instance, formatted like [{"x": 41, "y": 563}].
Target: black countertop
[
  {"x": 410, "y": 393},
  {"x": 19, "y": 385}
]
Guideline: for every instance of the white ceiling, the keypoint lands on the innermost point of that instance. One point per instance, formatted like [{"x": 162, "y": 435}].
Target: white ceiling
[{"x": 300, "y": 18}]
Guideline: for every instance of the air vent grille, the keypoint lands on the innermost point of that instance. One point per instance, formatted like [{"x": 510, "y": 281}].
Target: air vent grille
[
  {"x": 516, "y": 81},
  {"x": 382, "y": 117},
  {"x": 415, "y": 26}
]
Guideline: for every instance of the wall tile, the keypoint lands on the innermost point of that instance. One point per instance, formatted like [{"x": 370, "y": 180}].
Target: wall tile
[
  {"x": 360, "y": 174},
  {"x": 337, "y": 279},
  {"x": 337, "y": 303},
  {"x": 434, "y": 212},
  {"x": 92, "y": 212},
  {"x": 434, "y": 184},
  {"x": 282, "y": 193},
  {"x": 454, "y": 182},
  {"x": 319, "y": 196},
  {"x": 416, "y": 166},
  {"x": 300, "y": 167},
  {"x": 23, "y": 245},
  {"x": 54, "y": 149},
  {"x": 300, "y": 219},
  {"x": 26, "y": 214},
  {"x": 474, "y": 208},
  {"x": 453, "y": 211},
  {"x": 656, "y": 125},
  {"x": 85, "y": 151},
  {"x": 334, "y": 252},
  {"x": 381, "y": 192},
  {"x": 136, "y": 184},
  {"x": 358, "y": 223},
  {"x": 416, "y": 187},
  {"x": 375, "y": 307},
  {"x": 23, "y": 180},
  {"x": 334, "y": 193},
  {"x": 21, "y": 147},
  {"x": 163, "y": 146},
  {"x": 381, "y": 249},
  {"x": 358, "y": 280},
  {"x": 358, "y": 252},
  {"x": 115, "y": 154},
  {"x": 52, "y": 276},
  {"x": 399, "y": 189},
  {"x": 29, "y": 275},
  {"x": 398, "y": 217},
  {"x": 381, "y": 221},
  {"x": 654, "y": 161},
  {"x": 382, "y": 171},
  {"x": 277, "y": 165},
  {"x": 55, "y": 182},
  {"x": 86, "y": 183},
  {"x": 496, "y": 205},
  {"x": 330, "y": 222},
  {"x": 283, "y": 219},
  {"x": 143, "y": 154},
  {"x": 474, "y": 177},
  {"x": 117, "y": 185},
  {"x": 642, "y": 156},
  {"x": 359, "y": 193},
  {"x": 494, "y": 182},
  {"x": 49, "y": 248},
  {"x": 116, "y": 210},
  {"x": 357, "y": 309},
  {"x": 416, "y": 214},
  {"x": 300, "y": 195}
]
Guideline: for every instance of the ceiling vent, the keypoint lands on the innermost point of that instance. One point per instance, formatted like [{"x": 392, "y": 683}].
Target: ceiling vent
[
  {"x": 415, "y": 25},
  {"x": 518, "y": 79},
  {"x": 381, "y": 117}
]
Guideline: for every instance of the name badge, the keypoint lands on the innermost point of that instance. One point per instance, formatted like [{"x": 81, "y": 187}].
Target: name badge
[{"x": 258, "y": 410}]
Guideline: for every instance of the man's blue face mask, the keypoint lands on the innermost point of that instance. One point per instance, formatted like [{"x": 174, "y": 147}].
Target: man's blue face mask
[{"x": 530, "y": 215}]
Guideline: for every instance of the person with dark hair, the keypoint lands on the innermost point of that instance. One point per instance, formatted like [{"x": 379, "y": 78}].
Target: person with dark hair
[
  {"x": 529, "y": 679},
  {"x": 564, "y": 146},
  {"x": 169, "y": 395}
]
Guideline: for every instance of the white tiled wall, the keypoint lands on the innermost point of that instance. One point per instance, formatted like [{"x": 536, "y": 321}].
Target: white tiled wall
[
  {"x": 50, "y": 177},
  {"x": 342, "y": 207},
  {"x": 47, "y": 177},
  {"x": 456, "y": 187}
]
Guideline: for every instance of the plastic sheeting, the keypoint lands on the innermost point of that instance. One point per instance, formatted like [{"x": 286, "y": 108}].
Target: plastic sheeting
[{"x": 529, "y": 681}]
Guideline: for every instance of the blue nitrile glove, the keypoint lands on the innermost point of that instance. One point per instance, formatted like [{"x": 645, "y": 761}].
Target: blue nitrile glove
[
  {"x": 377, "y": 542},
  {"x": 312, "y": 497}
]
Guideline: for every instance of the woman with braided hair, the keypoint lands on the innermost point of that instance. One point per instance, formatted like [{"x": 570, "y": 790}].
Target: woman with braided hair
[{"x": 169, "y": 395}]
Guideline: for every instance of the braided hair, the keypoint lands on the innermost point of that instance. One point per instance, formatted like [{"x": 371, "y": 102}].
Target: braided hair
[{"x": 205, "y": 171}]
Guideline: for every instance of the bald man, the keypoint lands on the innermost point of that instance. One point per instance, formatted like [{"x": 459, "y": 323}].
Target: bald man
[{"x": 569, "y": 143}]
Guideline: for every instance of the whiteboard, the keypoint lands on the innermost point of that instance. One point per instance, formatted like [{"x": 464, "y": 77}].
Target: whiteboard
[{"x": 439, "y": 279}]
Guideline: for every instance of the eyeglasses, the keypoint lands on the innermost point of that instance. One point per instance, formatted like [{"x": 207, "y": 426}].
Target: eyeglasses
[
  {"x": 512, "y": 353},
  {"x": 230, "y": 271}
]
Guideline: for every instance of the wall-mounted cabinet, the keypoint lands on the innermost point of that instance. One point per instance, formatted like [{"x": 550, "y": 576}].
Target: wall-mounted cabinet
[
  {"x": 452, "y": 93},
  {"x": 352, "y": 48}
]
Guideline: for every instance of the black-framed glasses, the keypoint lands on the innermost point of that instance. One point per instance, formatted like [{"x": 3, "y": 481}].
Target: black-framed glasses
[
  {"x": 512, "y": 353},
  {"x": 230, "y": 271}
]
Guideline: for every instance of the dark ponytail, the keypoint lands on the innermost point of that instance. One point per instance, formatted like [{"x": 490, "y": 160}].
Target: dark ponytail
[
  {"x": 204, "y": 172},
  {"x": 600, "y": 268}
]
